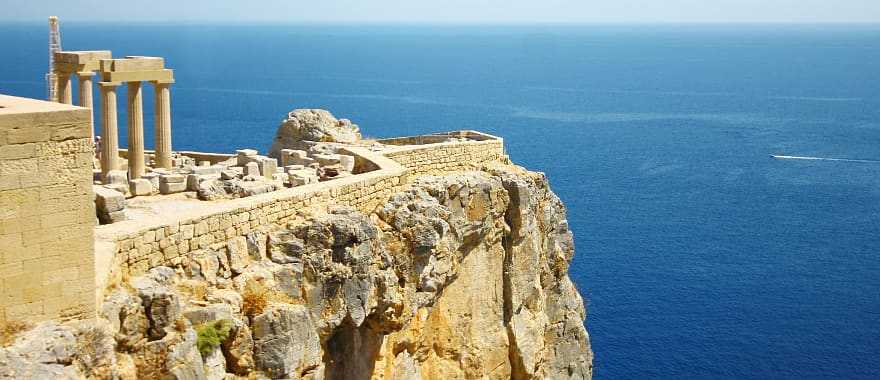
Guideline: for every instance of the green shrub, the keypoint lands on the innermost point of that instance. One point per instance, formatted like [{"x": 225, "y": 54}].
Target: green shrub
[{"x": 211, "y": 334}]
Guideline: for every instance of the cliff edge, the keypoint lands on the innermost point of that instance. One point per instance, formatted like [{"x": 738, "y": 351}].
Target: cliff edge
[{"x": 461, "y": 276}]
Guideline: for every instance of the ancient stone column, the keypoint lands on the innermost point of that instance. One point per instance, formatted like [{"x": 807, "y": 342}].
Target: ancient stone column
[
  {"x": 110, "y": 136},
  {"x": 135, "y": 131},
  {"x": 85, "y": 95},
  {"x": 65, "y": 91},
  {"x": 163, "y": 125}
]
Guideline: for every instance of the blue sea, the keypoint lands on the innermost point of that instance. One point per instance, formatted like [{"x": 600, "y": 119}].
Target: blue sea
[{"x": 699, "y": 256}]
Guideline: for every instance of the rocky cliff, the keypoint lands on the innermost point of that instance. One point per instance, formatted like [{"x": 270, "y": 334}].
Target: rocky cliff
[{"x": 462, "y": 276}]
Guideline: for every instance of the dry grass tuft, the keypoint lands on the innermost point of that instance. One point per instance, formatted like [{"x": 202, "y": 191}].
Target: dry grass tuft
[
  {"x": 10, "y": 330},
  {"x": 256, "y": 297}
]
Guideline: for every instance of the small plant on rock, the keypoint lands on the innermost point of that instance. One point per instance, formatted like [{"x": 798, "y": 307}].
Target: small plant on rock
[{"x": 211, "y": 334}]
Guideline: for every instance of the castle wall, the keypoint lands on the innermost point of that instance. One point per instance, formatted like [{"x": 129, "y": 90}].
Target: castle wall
[
  {"x": 47, "y": 213},
  {"x": 441, "y": 158},
  {"x": 137, "y": 246}
]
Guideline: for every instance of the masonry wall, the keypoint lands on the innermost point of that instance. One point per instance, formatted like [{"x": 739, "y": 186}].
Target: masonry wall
[
  {"x": 176, "y": 242},
  {"x": 47, "y": 211},
  {"x": 438, "y": 159}
]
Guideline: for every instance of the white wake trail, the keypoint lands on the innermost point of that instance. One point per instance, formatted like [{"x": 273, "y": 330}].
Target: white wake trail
[{"x": 780, "y": 157}]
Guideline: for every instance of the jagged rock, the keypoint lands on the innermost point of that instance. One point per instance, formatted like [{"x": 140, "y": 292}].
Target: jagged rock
[
  {"x": 239, "y": 349},
  {"x": 127, "y": 318},
  {"x": 215, "y": 365},
  {"x": 175, "y": 356},
  {"x": 285, "y": 248},
  {"x": 285, "y": 341},
  {"x": 459, "y": 276},
  {"x": 161, "y": 303},
  {"x": 237, "y": 249},
  {"x": 210, "y": 190},
  {"x": 198, "y": 315},
  {"x": 312, "y": 125}
]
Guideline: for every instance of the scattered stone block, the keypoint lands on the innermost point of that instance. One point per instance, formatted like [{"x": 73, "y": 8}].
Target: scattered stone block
[
  {"x": 302, "y": 177},
  {"x": 327, "y": 159},
  {"x": 120, "y": 187},
  {"x": 268, "y": 166},
  {"x": 140, "y": 187},
  {"x": 172, "y": 178},
  {"x": 347, "y": 162},
  {"x": 244, "y": 156},
  {"x": 153, "y": 178},
  {"x": 108, "y": 200},
  {"x": 252, "y": 169},
  {"x": 207, "y": 170},
  {"x": 172, "y": 187},
  {"x": 115, "y": 177},
  {"x": 204, "y": 163},
  {"x": 192, "y": 182},
  {"x": 113, "y": 217},
  {"x": 109, "y": 205},
  {"x": 289, "y": 168},
  {"x": 227, "y": 175}
]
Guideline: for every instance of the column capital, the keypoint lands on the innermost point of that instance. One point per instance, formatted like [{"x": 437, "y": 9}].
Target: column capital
[
  {"x": 163, "y": 83},
  {"x": 85, "y": 74},
  {"x": 109, "y": 84}
]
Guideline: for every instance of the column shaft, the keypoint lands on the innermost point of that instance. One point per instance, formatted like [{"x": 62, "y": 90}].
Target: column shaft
[
  {"x": 110, "y": 136},
  {"x": 65, "y": 91},
  {"x": 85, "y": 97},
  {"x": 163, "y": 125},
  {"x": 135, "y": 131}
]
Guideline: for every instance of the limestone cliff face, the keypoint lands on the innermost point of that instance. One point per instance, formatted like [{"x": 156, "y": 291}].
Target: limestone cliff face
[{"x": 457, "y": 277}]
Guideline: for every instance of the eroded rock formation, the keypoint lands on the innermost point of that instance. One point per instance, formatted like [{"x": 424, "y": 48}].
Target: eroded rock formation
[
  {"x": 458, "y": 277},
  {"x": 303, "y": 126}
]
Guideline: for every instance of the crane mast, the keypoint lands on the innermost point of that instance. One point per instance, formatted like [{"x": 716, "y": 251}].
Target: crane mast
[{"x": 54, "y": 47}]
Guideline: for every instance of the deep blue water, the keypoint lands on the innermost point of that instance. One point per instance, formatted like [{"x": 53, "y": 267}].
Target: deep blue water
[{"x": 699, "y": 256}]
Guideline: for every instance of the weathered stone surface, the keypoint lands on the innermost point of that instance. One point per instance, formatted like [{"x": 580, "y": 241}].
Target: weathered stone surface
[
  {"x": 109, "y": 205},
  {"x": 161, "y": 303},
  {"x": 312, "y": 125},
  {"x": 172, "y": 187},
  {"x": 252, "y": 169},
  {"x": 461, "y": 276},
  {"x": 239, "y": 349},
  {"x": 140, "y": 187},
  {"x": 47, "y": 351},
  {"x": 116, "y": 177},
  {"x": 285, "y": 341},
  {"x": 285, "y": 248}
]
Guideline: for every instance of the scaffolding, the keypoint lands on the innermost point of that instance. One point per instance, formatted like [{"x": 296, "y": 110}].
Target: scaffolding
[{"x": 54, "y": 47}]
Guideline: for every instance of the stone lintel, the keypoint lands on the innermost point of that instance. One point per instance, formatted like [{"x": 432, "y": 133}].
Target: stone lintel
[
  {"x": 80, "y": 61},
  {"x": 164, "y": 75},
  {"x": 82, "y": 57},
  {"x": 132, "y": 63}
]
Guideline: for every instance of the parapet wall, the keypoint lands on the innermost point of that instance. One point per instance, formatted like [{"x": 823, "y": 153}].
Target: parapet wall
[
  {"x": 437, "y": 158},
  {"x": 136, "y": 246},
  {"x": 47, "y": 212}
]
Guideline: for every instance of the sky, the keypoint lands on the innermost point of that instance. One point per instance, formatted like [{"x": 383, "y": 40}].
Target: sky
[{"x": 446, "y": 11}]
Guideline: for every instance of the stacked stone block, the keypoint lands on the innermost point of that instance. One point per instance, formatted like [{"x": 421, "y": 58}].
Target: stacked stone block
[{"x": 47, "y": 212}]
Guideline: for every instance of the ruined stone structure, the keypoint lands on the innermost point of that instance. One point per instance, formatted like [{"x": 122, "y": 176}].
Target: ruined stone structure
[
  {"x": 46, "y": 211},
  {"x": 415, "y": 257},
  {"x": 132, "y": 71}
]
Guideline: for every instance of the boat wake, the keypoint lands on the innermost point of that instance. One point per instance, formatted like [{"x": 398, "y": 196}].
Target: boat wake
[{"x": 779, "y": 157}]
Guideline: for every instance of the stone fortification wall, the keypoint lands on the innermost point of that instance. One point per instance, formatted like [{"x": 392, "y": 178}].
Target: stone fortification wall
[
  {"x": 138, "y": 245},
  {"x": 47, "y": 213},
  {"x": 440, "y": 158}
]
